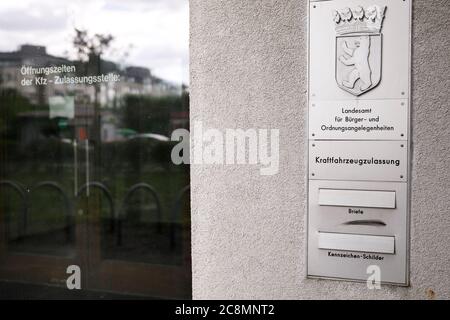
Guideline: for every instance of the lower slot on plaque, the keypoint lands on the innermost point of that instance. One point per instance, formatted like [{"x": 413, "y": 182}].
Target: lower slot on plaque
[{"x": 356, "y": 242}]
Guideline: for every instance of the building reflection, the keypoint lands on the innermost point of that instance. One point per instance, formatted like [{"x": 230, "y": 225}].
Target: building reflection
[{"x": 87, "y": 179}]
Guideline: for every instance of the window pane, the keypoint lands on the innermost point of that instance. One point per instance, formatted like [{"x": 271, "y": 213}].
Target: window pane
[{"x": 90, "y": 93}]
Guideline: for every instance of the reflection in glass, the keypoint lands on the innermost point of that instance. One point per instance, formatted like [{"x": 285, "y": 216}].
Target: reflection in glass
[{"x": 85, "y": 168}]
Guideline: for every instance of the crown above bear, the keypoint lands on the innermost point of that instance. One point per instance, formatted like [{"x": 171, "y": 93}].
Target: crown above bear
[{"x": 359, "y": 20}]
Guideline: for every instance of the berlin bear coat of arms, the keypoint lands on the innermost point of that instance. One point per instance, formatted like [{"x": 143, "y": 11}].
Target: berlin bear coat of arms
[{"x": 358, "y": 48}]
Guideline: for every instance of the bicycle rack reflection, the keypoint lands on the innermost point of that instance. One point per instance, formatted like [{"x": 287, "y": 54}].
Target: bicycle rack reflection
[{"x": 116, "y": 218}]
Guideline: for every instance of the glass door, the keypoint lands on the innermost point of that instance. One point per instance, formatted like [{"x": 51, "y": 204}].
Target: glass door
[
  {"x": 136, "y": 202},
  {"x": 86, "y": 177},
  {"x": 41, "y": 235}
]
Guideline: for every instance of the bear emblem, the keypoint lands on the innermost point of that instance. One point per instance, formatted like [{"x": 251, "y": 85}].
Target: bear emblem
[
  {"x": 358, "y": 47},
  {"x": 358, "y": 57}
]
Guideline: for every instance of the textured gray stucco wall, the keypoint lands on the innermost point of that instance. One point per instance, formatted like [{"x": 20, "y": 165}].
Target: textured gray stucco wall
[{"x": 248, "y": 70}]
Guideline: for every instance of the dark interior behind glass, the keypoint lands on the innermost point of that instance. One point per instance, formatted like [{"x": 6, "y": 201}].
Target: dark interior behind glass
[{"x": 86, "y": 176}]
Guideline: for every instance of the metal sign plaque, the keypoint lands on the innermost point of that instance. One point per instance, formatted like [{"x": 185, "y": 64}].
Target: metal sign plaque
[
  {"x": 358, "y": 160},
  {"x": 354, "y": 219},
  {"x": 359, "y": 119},
  {"x": 358, "y": 139}
]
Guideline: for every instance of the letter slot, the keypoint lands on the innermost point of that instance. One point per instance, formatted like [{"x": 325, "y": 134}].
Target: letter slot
[
  {"x": 357, "y": 198},
  {"x": 356, "y": 242}
]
